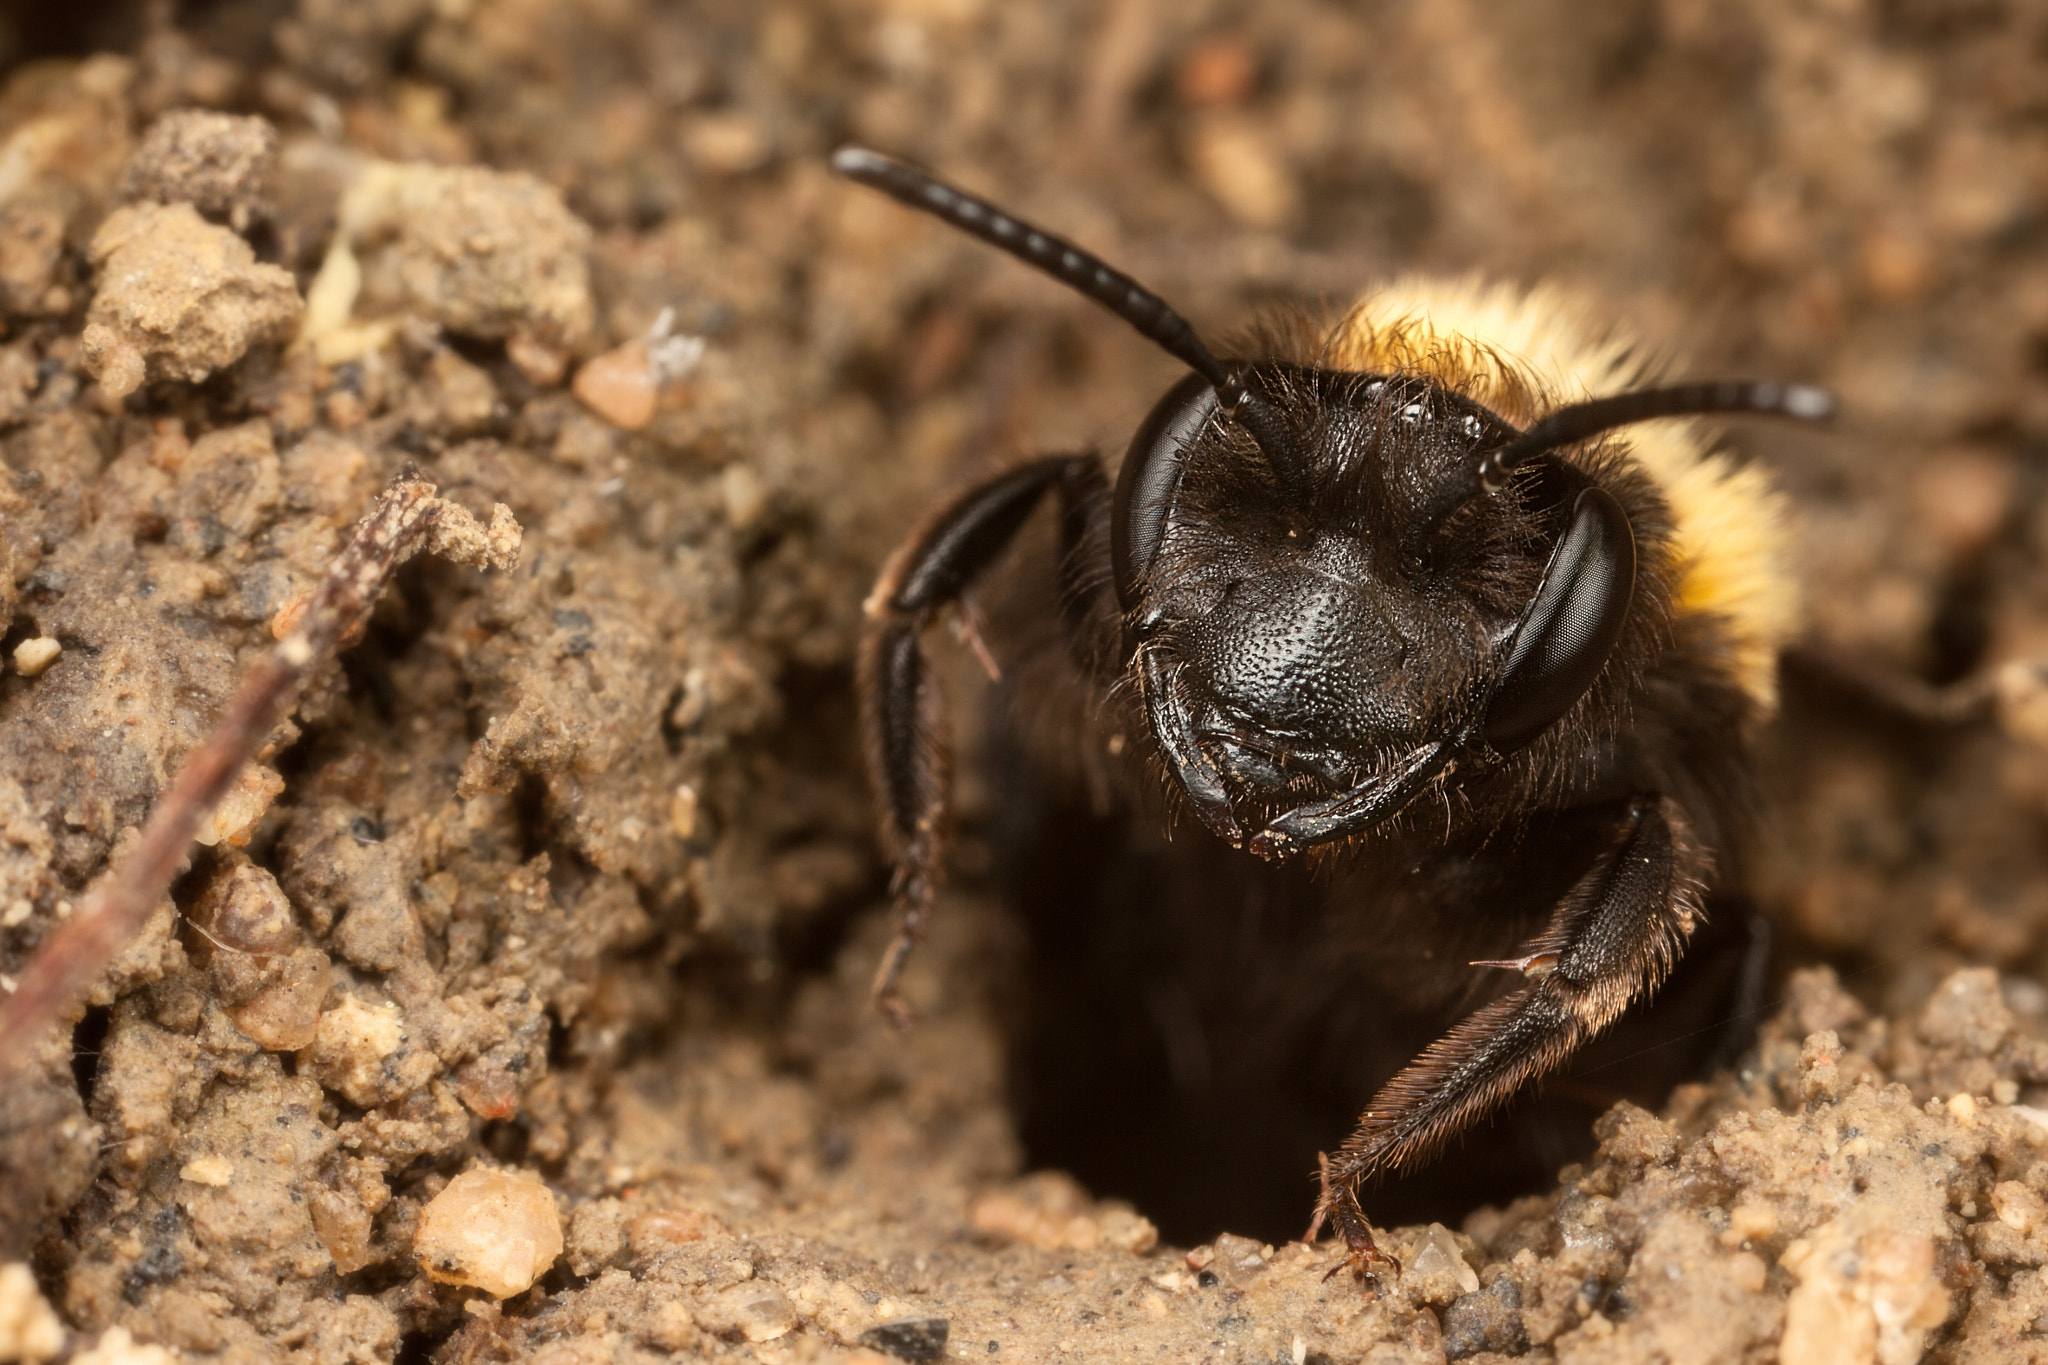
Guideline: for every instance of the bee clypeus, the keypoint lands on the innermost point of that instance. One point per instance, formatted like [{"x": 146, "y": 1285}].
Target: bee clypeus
[{"x": 1431, "y": 600}]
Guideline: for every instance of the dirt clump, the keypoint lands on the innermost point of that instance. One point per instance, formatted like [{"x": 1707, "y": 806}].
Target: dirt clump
[
  {"x": 180, "y": 298},
  {"x": 220, "y": 164},
  {"x": 486, "y": 254}
]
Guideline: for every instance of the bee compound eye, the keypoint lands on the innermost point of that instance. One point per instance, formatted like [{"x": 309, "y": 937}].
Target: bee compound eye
[
  {"x": 1150, "y": 478},
  {"x": 1571, "y": 624}
]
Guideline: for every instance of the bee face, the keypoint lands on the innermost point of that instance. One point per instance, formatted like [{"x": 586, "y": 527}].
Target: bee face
[{"x": 1300, "y": 648}]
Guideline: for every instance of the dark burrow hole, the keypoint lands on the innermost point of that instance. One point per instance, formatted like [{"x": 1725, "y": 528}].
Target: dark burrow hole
[
  {"x": 88, "y": 1040},
  {"x": 506, "y": 1140},
  {"x": 30, "y": 31},
  {"x": 417, "y": 597},
  {"x": 1960, "y": 634},
  {"x": 530, "y": 816},
  {"x": 417, "y": 1348},
  {"x": 238, "y": 29},
  {"x": 1180, "y": 1036}
]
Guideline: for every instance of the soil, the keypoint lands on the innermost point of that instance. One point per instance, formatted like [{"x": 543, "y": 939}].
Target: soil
[{"x": 517, "y": 1007}]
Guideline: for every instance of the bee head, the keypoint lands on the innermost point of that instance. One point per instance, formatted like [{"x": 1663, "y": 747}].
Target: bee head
[
  {"x": 1341, "y": 586},
  {"x": 1290, "y": 648}
]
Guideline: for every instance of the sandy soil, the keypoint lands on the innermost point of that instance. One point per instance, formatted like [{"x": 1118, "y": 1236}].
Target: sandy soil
[{"x": 518, "y": 1007}]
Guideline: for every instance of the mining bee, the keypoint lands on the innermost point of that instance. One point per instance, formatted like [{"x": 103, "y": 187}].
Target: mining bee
[{"x": 1434, "y": 601}]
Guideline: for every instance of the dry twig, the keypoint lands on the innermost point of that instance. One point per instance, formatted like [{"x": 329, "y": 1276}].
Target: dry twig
[{"x": 407, "y": 518}]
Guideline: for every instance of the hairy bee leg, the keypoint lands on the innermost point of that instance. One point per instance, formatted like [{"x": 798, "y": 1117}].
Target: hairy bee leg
[
  {"x": 902, "y": 712},
  {"x": 1617, "y": 934},
  {"x": 907, "y": 761}
]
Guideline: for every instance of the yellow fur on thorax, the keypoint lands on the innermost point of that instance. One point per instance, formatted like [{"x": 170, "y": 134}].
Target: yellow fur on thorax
[{"x": 1524, "y": 352}]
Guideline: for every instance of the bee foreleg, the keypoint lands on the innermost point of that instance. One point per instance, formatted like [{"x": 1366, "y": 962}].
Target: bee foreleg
[
  {"x": 901, "y": 712},
  {"x": 1615, "y": 936}
]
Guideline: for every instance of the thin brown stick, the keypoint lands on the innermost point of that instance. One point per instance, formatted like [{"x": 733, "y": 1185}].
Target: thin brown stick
[{"x": 406, "y": 518}]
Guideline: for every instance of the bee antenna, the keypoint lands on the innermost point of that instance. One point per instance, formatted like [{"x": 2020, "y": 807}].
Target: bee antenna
[
  {"x": 1581, "y": 420},
  {"x": 1089, "y": 274}
]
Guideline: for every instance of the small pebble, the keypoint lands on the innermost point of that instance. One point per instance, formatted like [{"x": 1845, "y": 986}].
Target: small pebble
[
  {"x": 1241, "y": 1257},
  {"x": 1896, "y": 261},
  {"x": 756, "y": 1310},
  {"x": 682, "y": 811},
  {"x": 489, "y": 1090},
  {"x": 350, "y": 1045},
  {"x": 727, "y": 142},
  {"x": 1237, "y": 162},
  {"x": 233, "y": 818},
  {"x": 1750, "y": 1222},
  {"x": 117, "y": 1347},
  {"x": 285, "y": 1015},
  {"x": 31, "y": 657},
  {"x": 497, "y": 1231},
  {"x": 29, "y": 1329},
  {"x": 216, "y": 1171},
  {"x": 2018, "y": 1207},
  {"x": 746, "y": 497},
  {"x": 343, "y": 1226},
  {"x": 2022, "y": 699},
  {"x": 624, "y": 385},
  {"x": 1437, "y": 1267},
  {"x": 1221, "y": 70},
  {"x": 620, "y": 385},
  {"x": 246, "y": 911}
]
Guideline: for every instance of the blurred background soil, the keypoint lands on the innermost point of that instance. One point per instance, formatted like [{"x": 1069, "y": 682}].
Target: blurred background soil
[{"x": 518, "y": 1006}]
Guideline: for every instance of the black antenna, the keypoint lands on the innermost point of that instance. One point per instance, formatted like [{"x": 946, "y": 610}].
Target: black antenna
[
  {"x": 1581, "y": 420},
  {"x": 1089, "y": 274}
]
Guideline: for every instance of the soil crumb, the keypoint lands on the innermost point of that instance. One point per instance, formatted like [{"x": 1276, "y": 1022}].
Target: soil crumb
[{"x": 181, "y": 298}]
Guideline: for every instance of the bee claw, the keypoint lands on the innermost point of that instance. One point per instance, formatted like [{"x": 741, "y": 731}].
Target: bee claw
[
  {"x": 1360, "y": 1263},
  {"x": 1271, "y": 844},
  {"x": 1340, "y": 1204}
]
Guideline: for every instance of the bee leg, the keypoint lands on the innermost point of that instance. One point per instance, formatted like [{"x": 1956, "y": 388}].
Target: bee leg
[
  {"x": 1340, "y": 1206},
  {"x": 901, "y": 710},
  {"x": 1616, "y": 935},
  {"x": 1364, "y": 1255}
]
